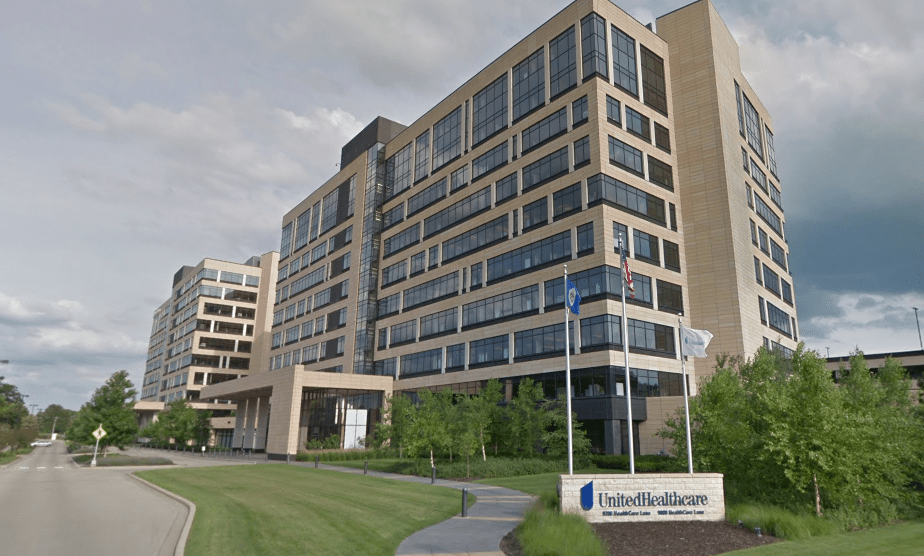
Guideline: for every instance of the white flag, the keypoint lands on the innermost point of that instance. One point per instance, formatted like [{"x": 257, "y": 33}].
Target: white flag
[{"x": 693, "y": 342}]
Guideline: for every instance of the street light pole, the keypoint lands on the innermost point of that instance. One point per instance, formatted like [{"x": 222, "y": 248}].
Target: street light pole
[{"x": 919, "y": 326}]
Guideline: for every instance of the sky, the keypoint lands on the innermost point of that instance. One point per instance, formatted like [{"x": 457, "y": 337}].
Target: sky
[{"x": 138, "y": 136}]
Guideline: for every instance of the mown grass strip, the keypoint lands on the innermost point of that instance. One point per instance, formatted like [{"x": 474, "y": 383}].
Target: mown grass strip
[
  {"x": 892, "y": 540},
  {"x": 279, "y": 509}
]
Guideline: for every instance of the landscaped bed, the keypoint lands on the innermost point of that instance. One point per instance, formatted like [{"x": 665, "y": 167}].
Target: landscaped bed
[{"x": 119, "y": 460}]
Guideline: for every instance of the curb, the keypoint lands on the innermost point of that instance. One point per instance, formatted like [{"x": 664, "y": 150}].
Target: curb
[{"x": 184, "y": 534}]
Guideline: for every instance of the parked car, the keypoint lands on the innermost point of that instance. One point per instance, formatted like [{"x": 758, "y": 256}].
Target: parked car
[{"x": 42, "y": 443}]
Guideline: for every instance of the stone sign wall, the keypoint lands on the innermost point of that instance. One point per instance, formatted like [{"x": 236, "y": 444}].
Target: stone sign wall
[{"x": 644, "y": 497}]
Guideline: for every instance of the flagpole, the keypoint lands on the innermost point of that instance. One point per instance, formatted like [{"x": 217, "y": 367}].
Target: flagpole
[
  {"x": 625, "y": 349},
  {"x": 686, "y": 399},
  {"x": 568, "y": 376}
]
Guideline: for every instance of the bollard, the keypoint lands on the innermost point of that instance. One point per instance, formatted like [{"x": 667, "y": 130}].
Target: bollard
[
  {"x": 758, "y": 531},
  {"x": 433, "y": 478},
  {"x": 464, "y": 502},
  {"x": 316, "y": 460},
  {"x": 558, "y": 490},
  {"x": 366, "y": 468},
  {"x": 287, "y": 458}
]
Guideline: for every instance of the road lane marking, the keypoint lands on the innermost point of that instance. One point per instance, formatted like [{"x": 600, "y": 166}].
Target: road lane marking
[{"x": 23, "y": 468}]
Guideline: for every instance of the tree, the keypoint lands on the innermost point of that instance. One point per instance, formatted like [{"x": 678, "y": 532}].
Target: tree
[
  {"x": 182, "y": 423},
  {"x": 111, "y": 407},
  {"x": 395, "y": 428},
  {"x": 527, "y": 420},
  {"x": 482, "y": 411},
  {"x": 47, "y": 422},
  {"x": 555, "y": 436},
  {"x": 783, "y": 432},
  {"x": 12, "y": 406},
  {"x": 430, "y": 431}
]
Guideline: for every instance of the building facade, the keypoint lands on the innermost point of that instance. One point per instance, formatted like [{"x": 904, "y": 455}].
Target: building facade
[
  {"x": 211, "y": 329},
  {"x": 435, "y": 257}
]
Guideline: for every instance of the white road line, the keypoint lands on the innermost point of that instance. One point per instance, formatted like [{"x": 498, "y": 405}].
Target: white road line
[
  {"x": 40, "y": 468},
  {"x": 23, "y": 468},
  {"x": 59, "y": 467}
]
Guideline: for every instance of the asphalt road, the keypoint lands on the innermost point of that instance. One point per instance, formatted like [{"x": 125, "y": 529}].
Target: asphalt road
[{"x": 49, "y": 506}]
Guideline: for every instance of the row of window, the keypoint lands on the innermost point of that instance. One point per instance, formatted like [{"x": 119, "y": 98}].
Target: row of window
[
  {"x": 311, "y": 354},
  {"x": 333, "y": 209}
]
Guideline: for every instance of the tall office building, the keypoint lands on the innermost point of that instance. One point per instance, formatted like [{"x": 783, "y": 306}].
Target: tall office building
[
  {"x": 435, "y": 257},
  {"x": 210, "y": 330}
]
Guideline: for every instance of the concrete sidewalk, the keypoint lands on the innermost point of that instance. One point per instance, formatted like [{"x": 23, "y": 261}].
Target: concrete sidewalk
[{"x": 496, "y": 512}]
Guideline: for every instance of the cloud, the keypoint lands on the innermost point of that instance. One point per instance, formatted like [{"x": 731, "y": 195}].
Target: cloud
[{"x": 874, "y": 322}]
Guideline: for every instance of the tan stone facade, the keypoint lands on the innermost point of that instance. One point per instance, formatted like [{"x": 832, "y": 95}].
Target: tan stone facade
[{"x": 435, "y": 256}]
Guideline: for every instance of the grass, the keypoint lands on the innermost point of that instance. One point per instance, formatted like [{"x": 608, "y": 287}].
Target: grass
[
  {"x": 546, "y": 531},
  {"x": 7, "y": 457},
  {"x": 278, "y": 509},
  {"x": 893, "y": 540},
  {"x": 780, "y": 522},
  {"x": 541, "y": 483}
]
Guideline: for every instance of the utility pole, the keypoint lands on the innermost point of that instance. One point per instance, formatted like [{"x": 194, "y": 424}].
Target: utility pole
[
  {"x": 33, "y": 406},
  {"x": 919, "y": 326}
]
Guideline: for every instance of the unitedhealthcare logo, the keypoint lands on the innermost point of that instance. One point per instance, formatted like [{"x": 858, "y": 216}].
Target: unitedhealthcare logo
[{"x": 587, "y": 496}]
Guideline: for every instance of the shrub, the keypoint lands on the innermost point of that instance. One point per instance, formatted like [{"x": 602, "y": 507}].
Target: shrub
[{"x": 545, "y": 531}]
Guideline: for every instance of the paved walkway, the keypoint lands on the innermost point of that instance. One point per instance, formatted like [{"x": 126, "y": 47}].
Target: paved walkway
[{"x": 496, "y": 512}]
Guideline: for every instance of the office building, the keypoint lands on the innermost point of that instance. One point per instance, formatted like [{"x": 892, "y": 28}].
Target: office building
[{"x": 434, "y": 258}]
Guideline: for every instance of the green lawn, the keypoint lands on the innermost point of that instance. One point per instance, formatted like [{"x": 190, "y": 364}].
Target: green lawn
[
  {"x": 279, "y": 509},
  {"x": 893, "y": 540},
  {"x": 537, "y": 484}
]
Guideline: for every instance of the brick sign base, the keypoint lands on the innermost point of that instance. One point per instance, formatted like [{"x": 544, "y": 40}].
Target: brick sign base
[{"x": 644, "y": 497}]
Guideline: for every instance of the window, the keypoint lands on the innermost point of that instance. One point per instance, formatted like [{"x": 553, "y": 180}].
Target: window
[
  {"x": 670, "y": 297},
  {"x": 536, "y": 214},
  {"x": 544, "y": 130},
  {"x": 585, "y": 237},
  {"x": 319, "y": 252},
  {"x": 767, "y": 215},
  {"x": 458, "y": 212},
  {"x": 613, "y": 113},
  {"x": 545, "y": 169},
  {"x": 403, "y": 333},
  {"x": 439, "y": 323},
  {"x": 763, "y": 313},
  {"x": 285, "y": 248},
  {"x": 740, "y": 111},
  {"x": 544, "y": 341},
  {"x": 778, "y": 319},
  {"x": 626, "y": 156},
  {"x": 489, "y": 161},
  {"x": 434, "y": 256},
  {"x": 653, "y": 82},
  {"x": 620, "y": 233},
  {"x": 753, "y": 232},
  {"x": 302, "y": 227},
  {"x": 771, "y": 152},
  {"x": 758, "y": 176},
  {"x": 436, "y": 289},
  {"x": 581, "y": 152},
  {"x": 604, "y": 188},
  {"x": 477, "y": 271},
  {"x": 771, "y": 280},
  {"x": 389, "y": 305},
  {"x": 401, "y": 240},
  {"x": 505, "y": 188},
  {"x": 310, "y": 354},
  {"x": 745, "y": 159},
  {"x": 319, "y": 325},
  {"x": 662, "y": 137},
  {"x": 579, "y": 111},
  {"x": 671, "y": 256},
  {"x": 660, "y": 173},
  {"x": 638, "y": 124},
  {"x": 757, "y": 271},
  {"x": 307, "y": 329},
  {"x": 651, "y": 337},
  {"x": 566, "y": 201},
  {"x": 459, "y": 179},
  {"x": 424, "y": 362},
  {"x": 778, "y": 254},
  {"x": 290, "y": 312},
  {"x": 398, "y": 170},
  {"x": 292, "y": 334},
  {"x": 447, "y": 139},
  {"x": 544, "y": 251},
  {"x": 646, "y": 247},
  {"x": 776, "y": 196},
  {"x": 787, "y": 291},
  {"x": 422, "y": 156},
  {"x": 426, "y": 197},
  {"x": 747, "y": 189},
  {"x": 673, "y": 213},
  {"x": 387, "y": 367},
  {"x": 752, "y": 125},
  {"x": 341, "y": 264},
  {"x": 762, "y": 235},
  {"x": 338, "y": 204},
  {"x": 339, "y": 240},
  {"x": 602, "y": 330},
  {"x": 593, "y": 45},
  {"x": 562, "y": 63},
  {"x": 498, "y": 307},
  {"x": 475, "y": 239},
  {"x": 489, "y": 110},
  {"x": 489, "y": 350},
  {"x": 455, "y": 357},
  {"x": 601, "y": 280},
  {"x": 383, "y": 338},
  {"x": 418, "y": 263},
  {"x": 309, "y": 280},
  {"x": 529, "y": 84},
  {"x": 624, "y": 67}
]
